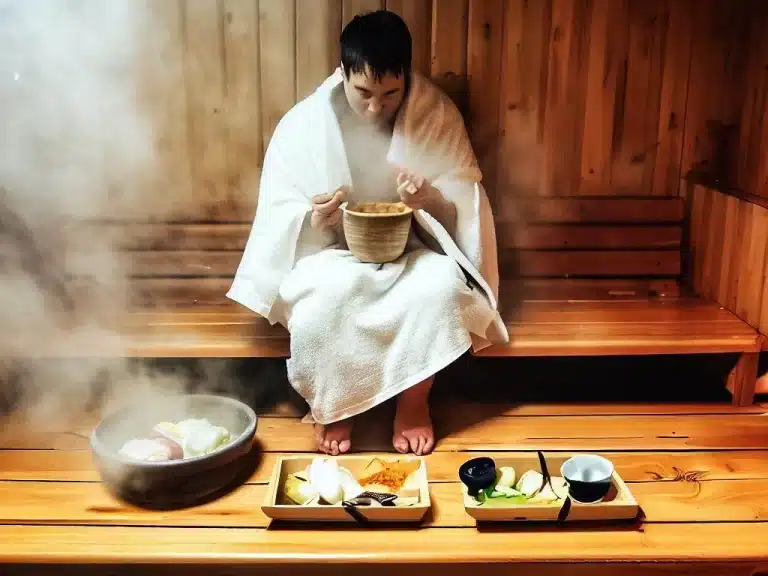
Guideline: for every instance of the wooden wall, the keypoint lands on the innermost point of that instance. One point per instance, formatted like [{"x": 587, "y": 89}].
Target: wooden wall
[{"x": 563, "y": 97}]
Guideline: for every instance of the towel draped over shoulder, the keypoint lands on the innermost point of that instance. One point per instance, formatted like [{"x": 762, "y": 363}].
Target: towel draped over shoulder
[{"x": 362, "y": 333}]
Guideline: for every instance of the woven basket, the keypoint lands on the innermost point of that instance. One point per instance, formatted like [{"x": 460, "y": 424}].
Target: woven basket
[{"x": 377, "y": 231}]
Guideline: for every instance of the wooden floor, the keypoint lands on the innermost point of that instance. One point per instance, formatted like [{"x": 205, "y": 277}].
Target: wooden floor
[{"x": 698, "y": 471}]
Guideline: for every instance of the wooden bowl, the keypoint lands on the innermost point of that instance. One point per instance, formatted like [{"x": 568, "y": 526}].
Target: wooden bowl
[{"x": 377, "y": 231}]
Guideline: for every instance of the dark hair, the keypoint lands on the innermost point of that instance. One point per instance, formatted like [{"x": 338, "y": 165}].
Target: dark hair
[{"x": 379, "y": 40}]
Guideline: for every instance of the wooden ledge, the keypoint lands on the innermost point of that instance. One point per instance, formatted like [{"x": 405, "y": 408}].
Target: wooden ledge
[
  {"x": 556, "y": 318},
  {"x": 605, "y": 328}
]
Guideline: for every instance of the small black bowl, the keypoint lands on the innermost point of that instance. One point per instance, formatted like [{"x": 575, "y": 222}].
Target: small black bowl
[
  {"x": 478, "y": 474},
  {"x": 589, "y": 477}
]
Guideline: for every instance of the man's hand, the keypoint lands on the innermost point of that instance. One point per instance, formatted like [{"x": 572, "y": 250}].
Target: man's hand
[
  {"x": 325, "y": 210},
  {"x": 414, "y": 191},
  {"x": 417, "y": 193}
]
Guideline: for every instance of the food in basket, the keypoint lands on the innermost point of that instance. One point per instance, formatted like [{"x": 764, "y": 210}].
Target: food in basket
[
  {"x": 325, "y": 482},
  {"x": 379, "y": 208},
  {"x": 185, "y": 439}
]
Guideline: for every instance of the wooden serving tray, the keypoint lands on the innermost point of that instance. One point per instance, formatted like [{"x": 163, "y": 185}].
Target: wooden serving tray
[
  {"x": 276, "y": 507},
  {"x": 618, "y": 504}
]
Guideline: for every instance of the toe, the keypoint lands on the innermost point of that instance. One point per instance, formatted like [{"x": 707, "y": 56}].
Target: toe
[
  {"x": 401, "y": 444},
  {"x": 422, "y": 442},
  {"x": 344, "y": 446},
  {"x": 429, "y": 444},
  {"x": 335, "y": 447},
  {"x": 414, "y": 442}
]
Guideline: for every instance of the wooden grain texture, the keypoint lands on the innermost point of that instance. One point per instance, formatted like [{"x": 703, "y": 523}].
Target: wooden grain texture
[
  {"x": 594, "y": 210},
  {"x": 450, "y": 19},
  {"x": 566, "y": 96},
  {"x": 510, "y": 567},
  {"x": 418, "y": 16},
  {"x": 318, "y": 26},
  {"x": 742, "y": 380},
  {"x": 718, "y": 58},
  {"x": 564, "y": 263},
  {"x": 205, "y": 85},
  {"x": 476, "y": 430},
  {"x": 522, "y": 98},
  {"x": 168, "y": 293},
  {"x": 90, "y": 504},
  {"x": 552, "y": 236},
  {"x": 532, "y": 263},
  {"x": 234, "y": 236},
  {"x": 720, "y": 542},
  {"x": 352, "y": 8},
  {"x": 752, "y": 175},
  {"x": 674, "y": 97},
  {"x": 698, "y": 472},
  {"x": 607, "y": 71},
  {"x": 730, "y": 247},
  {"x": 277, "y": 35},
  {"x": 164, "y": 95},
  {"x": 634, "y": 467},
  {"x": 637, "y": 138},
  {"x": 484, "y": 56},
  {"x": 590, "y": 318},
  {"x": 242, "y": 94}
]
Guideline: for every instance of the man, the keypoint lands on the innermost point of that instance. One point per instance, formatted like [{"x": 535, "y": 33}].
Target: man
[{"x": 362, "y": 333}]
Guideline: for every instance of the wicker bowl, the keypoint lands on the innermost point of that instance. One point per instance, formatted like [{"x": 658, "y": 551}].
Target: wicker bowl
[{"x": 377, "y": 231}]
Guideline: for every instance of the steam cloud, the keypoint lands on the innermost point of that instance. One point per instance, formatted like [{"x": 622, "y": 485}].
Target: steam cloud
[{"x": 80, "y": 142}]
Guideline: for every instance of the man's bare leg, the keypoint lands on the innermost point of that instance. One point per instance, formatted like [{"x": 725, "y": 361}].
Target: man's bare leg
[
  {"x": 413, "y": 425},
  {"x": 334, "y": 439}
]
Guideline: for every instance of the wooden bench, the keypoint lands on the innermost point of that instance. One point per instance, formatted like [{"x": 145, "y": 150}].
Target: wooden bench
[
  {"x": 698, "y": 472},
  {"x": 586, "y": 277}
]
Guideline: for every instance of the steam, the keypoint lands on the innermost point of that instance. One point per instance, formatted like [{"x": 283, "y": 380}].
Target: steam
[{"x": 81, "y": 141}]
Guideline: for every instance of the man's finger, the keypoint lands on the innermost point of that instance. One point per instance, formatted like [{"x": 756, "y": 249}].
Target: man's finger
[
  {"x": 330, "y": 206},
  {"x": 322, "y": 198},
  {"x": 333, "y": 219}
]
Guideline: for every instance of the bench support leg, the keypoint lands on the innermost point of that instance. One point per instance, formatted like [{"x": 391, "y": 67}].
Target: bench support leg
[{"x": 743, "y": 378}]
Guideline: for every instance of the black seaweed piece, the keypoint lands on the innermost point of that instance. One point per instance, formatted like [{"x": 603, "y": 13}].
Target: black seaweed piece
[
  {"x": 382, "y": 498},
  {"x": 547, "y": 478}
]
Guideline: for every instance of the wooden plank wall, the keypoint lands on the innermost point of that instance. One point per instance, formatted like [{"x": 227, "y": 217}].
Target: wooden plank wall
[
  {"x": 576, "y": 100},
  {"x": 729, "y": 256},
  {"x": 728, "y": 210},
  {"x": 563, "y": 97}
]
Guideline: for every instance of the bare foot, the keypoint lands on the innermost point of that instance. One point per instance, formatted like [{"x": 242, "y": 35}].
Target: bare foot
[
  {"x": 413, "y": 425},
  {"x": 334, "y": 439}
]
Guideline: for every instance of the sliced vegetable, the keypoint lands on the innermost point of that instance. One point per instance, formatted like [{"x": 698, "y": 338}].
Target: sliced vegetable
[
  {"x": 325, "y": 476},
  {"x": 530, "y": 482},
  {"x": 556, "y": 489},
  {"x": 299, "y": 491},
  {"x": 507, "y": 477},
  {"x": 504, "y": 491}
]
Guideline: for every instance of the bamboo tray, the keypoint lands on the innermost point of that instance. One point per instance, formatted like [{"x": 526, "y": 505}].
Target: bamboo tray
[
  {"x": 276, "y": 507},
  {"x": 618, "y": 504}
]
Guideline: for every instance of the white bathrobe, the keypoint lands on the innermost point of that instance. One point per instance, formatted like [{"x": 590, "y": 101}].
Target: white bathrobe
[{"x": 363, "y": 333}]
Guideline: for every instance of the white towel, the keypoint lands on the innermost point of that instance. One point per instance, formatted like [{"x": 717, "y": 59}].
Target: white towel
[{"x": 362, "y": 333}]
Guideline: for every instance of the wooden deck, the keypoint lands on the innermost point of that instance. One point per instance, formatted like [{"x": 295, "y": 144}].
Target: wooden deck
[{"x": 699, "y": 472}]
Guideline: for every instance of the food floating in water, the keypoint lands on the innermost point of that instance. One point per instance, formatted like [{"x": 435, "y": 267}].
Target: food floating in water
[
  {"x": 324, "y": 482},
  {"x": 507, "y": 489},
  {"x": 185, "y": 439}
]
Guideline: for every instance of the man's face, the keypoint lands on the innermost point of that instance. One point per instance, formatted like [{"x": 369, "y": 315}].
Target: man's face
[{"x": 376, "y": 101}]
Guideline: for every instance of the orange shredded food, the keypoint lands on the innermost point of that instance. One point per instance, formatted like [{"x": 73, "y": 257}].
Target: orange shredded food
[{"x": 388, "y": 477}]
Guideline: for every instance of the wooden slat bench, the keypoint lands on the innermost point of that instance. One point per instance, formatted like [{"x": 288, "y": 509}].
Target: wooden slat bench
[
  {"x": 584, "y": 276},
  {"x": 698, "y": 471}
]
